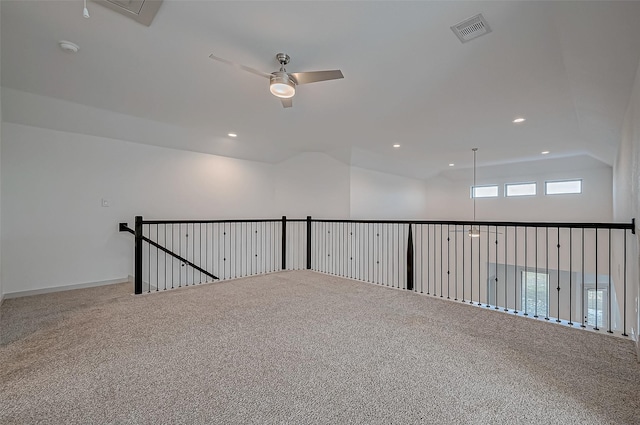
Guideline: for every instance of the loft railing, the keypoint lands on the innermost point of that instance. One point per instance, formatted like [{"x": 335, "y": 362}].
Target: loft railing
[
  {"x": 175, "y": 253},
  {"x": 571, "y": 273}
]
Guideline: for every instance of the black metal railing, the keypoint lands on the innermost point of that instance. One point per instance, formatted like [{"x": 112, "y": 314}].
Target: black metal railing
[
  {"x": 571, "y": 273},
  {"x": 175, "y": 253}
]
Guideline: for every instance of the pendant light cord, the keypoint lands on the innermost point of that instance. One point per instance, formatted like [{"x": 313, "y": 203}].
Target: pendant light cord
[{"x": 475, "y": 150}]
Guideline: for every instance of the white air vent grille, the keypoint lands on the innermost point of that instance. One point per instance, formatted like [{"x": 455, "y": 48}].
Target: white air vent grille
[{"x": 471, "y": 28}]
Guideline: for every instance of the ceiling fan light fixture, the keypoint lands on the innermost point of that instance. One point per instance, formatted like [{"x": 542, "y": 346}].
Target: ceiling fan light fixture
[{"x": 282, "y": 86}]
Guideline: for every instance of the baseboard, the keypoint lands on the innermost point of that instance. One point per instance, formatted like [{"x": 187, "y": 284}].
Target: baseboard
[{"x": 66, "y": 288}]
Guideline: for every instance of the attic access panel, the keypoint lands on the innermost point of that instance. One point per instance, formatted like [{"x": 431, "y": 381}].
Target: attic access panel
[{"x": 142, "y": 11}]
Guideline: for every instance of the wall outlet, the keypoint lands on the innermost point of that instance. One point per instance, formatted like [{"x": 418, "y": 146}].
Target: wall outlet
[{"x": 105, "y": 202}]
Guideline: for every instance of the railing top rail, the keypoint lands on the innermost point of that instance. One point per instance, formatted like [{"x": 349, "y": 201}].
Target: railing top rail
[
  {"x": 546, "y": 224},
  {"x": 550, "y": 224},
  {"x": 248, "y": 220}
]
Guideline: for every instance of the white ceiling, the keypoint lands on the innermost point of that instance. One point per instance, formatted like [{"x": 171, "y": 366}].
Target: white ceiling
[{"x": 568, "y": 67}]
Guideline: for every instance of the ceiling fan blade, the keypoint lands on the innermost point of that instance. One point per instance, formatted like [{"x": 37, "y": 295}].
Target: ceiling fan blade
[
  {"x": 315, "y": 76},
  {"x": 287, "y": 103},
  {"x": 243, "y": 67}
]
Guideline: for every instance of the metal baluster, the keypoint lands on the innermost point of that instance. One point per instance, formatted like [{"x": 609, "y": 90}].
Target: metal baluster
[
  {"x": 401, "y": 251},
  {"x": 428, "y": 259},
  {"x": 546, "y": 317},
  {"x": 157, "y": 261},
  {"x": 570, "y": 274},
  {"x": 596, "y": 294},
  {"x": 515, "y": 272},
  {"x": 558, "y": 287},
  {"x": 448, "y": 258},
  {"x": 526, "y": 272},
  {"x": 172, "y": 261},
  {"x": 391, "y": 267},
  {"x": 582, "y": 325},
  {"x": 435, "y": 278},
  {"x": 496, "y": 269},
  {"x": 624, "y": 298},
  {"x": 193, "y": 254},
  {"x": 455, "y": 235},
  {"x": 488, "y": 259},
  {"x": 536, "y": 305},
  {"x": 471, "y": 266},
  {"x": 479, "y": 265},
  {"x": 441, "y": 260},
  {"x": 506, "y": 280},
  {"x": 609, "y": 297},
  {"x": 463, "y": 257},
  {"x": 149, "y": 258}
]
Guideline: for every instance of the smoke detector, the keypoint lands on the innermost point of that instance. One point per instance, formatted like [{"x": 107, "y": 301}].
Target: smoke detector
[
  {"x": 471, "y": 28},
  {"x": 68, "y": 46}
]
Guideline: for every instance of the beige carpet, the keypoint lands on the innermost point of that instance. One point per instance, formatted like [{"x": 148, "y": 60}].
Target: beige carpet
[{"x": 301, "y": 348}]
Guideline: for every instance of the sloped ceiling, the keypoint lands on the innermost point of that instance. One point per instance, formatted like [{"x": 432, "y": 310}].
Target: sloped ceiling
[{"x": 568, "y": 67}]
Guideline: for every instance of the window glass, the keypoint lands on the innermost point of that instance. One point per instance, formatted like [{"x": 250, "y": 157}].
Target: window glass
[
  {"x": 520, "y": 189},
  {"x": 596, "y": 306},
  {"x": 535, "y": 293},
  {"x": 563, "y": 187},
  {"x": 490, "y": 191}
]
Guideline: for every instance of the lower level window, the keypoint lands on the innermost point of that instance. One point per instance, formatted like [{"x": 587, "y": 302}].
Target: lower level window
[
  {"x": 535, "y": 293},
  {"x": 596, "y": 306}
]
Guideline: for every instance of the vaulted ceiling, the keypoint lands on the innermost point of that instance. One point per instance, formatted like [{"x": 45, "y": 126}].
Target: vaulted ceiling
[{"x": 567, "y": 67}]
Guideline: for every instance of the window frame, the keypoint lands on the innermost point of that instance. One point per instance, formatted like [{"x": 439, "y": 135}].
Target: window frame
[
  {"x": 472, "y": 191},
  {"x": 506, "y": 190},
  {"x": 546, "y": 183}
]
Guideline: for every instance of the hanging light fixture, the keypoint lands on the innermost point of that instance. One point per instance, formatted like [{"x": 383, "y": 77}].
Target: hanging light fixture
[
  {"x": 474, "y": 232},
  {"x": 282, "y": 85}
]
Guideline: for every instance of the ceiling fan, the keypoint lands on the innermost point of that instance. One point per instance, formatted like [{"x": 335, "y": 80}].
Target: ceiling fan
[{"x": 283, "y": 84}]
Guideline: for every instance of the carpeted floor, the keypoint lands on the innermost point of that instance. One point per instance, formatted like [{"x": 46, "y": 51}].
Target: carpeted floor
[{"x": 301, "y": 348}]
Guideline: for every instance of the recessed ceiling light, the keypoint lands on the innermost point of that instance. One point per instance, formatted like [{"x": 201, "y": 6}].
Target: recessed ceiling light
[
  {"x": 544, "y": 152},
  {"x": 519, "y": 120},
  {"x": 232, "y": 135},
  {"x": 396, "y": 145},
  {"x": 452, "y": 164}
]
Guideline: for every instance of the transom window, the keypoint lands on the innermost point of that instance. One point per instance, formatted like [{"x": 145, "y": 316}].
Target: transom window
[
  {"x": 562, "y": 187},
  {"x": 520, "y": 189},
  {"x": 487, "y": 191}
]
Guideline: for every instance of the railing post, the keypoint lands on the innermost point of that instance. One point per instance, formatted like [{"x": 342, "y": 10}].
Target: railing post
[
  {"x": 138, "y": 256},
  {"x": 410, "y": 261},
  {"x": 308, "y": 242},
  {"x": 284, "y": 242}
]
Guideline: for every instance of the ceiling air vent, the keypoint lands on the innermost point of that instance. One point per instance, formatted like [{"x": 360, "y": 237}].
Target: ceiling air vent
[
  {"x": 142, "y": 11},
  {"x": 471, "y": 28}
]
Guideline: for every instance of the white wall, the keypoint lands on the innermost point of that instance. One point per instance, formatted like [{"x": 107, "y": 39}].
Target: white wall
[
  {"x": 627, "y": 185},
  {"x": 312, "y": 184},
  {"x": 376, "y": 195},
  {"x": 55, "y": 231},
  {"x": 449, "y": 192}
]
